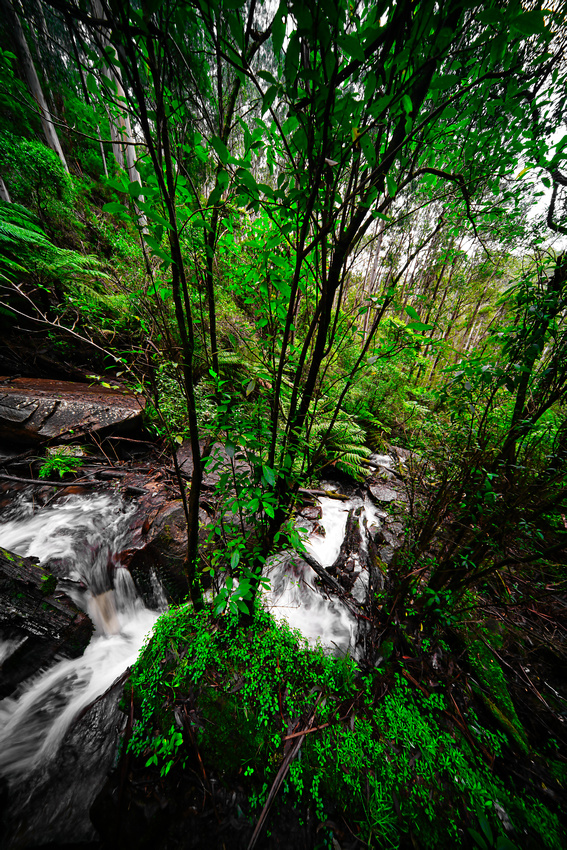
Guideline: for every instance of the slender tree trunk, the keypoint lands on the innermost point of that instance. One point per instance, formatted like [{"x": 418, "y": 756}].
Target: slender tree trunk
[
  {"x": 4, "y": 194},
  {"x": 28, "y": 69},
  {"x": 86, "y": 94},
  {"x": 123, "y": 144}
]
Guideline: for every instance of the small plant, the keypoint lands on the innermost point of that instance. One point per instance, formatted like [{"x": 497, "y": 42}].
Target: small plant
[{"x": 60, "y": 462}]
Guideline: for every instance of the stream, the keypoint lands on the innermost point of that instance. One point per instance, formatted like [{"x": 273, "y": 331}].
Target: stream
[
  {"x": 51, "y": 786},
  {"x": 59, "y": 731}
]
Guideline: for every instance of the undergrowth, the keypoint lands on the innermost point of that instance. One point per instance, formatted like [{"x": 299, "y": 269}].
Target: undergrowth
[{"x": 379, "y": 752}]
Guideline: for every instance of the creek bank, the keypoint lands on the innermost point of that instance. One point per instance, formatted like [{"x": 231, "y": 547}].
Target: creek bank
[{"x": 200, "y": 803}]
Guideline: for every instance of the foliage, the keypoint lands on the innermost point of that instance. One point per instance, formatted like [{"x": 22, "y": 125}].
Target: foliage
[
  {"x": 62, "y": 462},
  {"x": 35, "y": 176},
  {"x": 393, "y": 766}
]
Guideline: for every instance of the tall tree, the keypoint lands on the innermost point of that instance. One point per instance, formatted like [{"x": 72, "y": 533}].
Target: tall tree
[{"x": 30, "y": 73}]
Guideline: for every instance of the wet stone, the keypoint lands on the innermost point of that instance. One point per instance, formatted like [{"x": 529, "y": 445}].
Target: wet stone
[
  {"x": 386, "y": 554},
  {"x": 312, "y": 512},
  {"x": 384, "y": 535},
  {"x": 33, "y": 410},
  {"x": 383, "y": 494}
]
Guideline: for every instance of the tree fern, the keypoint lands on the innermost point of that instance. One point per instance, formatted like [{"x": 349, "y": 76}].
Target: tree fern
[
  {"x": 344, "y": 447},
  {"x": 24, "y": 247}
]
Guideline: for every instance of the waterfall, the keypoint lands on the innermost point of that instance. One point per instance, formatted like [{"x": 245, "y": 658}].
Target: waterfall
[
  {"x": 58, "y": 733},
  {"x": 294, "y": 595},
  {"x": 79, "y": 540}
]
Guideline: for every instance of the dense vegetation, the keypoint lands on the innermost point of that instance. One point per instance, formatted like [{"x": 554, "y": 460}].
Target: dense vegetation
[{"x": 306, "y": 231}]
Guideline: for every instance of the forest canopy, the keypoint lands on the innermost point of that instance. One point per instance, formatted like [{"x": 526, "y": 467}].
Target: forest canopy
[{"x": 338, "y": 220}]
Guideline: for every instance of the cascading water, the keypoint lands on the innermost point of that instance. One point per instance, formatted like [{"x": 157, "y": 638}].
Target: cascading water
[
  {"x": 58, "y": 734},
  {"x": 293, "y": 594},
  {"x": 79, "y": 540}
]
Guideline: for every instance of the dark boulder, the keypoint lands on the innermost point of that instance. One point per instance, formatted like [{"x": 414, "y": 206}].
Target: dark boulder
[
  {"x": 163, "y": 552},
  {"x": 36, "y": 623}
]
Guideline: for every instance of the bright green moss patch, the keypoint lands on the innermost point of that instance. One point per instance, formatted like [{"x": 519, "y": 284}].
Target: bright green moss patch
[{"x": 492, "y": 678}]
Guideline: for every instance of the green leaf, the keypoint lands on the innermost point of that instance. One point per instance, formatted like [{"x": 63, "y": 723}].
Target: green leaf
[
  {"x": 381, "y": 216},
  {"x": 444, "y": 82},
  {"x": 92, "y": 84},
  {"x": 391, "y": 184},
  {"x": 368, "y": 150},
  {"x": 269, "y": 475},
  {"x": 235, "y": 559},
  {"x": 154, "y": 215},
  {"x": 114, "y": 208},
  {"x": 220, "y": 149},
  {"x": 478, "y": 839},
  {"x": 236, "y": 27},
  {"x": 412, "y": 313},
  {"x": 530, "y": 23},
  {"x": 269, "y": 97},
  {"x": 485, "y": 826},
  {"x": 246, "y": 179},
  {"x": 419, "y": 327},
  {"x": 407, "y": 104},
  {"x": 156, "y": 248},
  {"x": 267, "y": 77},
  {"x": 504, "y": 843},
  {"x": 135, "y": 189},
  {"x": 350, "y": 45},
  {"x": 278, "y": 28}
]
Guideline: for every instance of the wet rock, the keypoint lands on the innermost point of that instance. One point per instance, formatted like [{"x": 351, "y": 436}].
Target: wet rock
[
  {"x": 359, "y": 589},
  {"x": 33, "y": 410},
  {"x": 384, "y": 535},
  {"x": 37, "y": 623},
  {"x": 386, "y": 554},
  {"x": 164, "y": 553},
  {"x": 403, "y": 454},
  {"x": 55, "y": 802},
  {"x": 394, "y": 526},
  {"x": 383, "y": 494},
  {"x": 313, "y": 512}
]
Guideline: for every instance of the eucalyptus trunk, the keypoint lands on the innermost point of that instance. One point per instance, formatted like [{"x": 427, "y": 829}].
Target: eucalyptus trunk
[{"x": 30, "y": 74}]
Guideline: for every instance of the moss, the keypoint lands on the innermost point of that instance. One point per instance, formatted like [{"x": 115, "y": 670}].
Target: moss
[
  {"x": 492, "y": 678},
  {"x": 48, "y": 584}
]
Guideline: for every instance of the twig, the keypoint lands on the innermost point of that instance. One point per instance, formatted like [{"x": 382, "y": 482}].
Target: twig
[
  {"x": 331, "y": 494},
  {"x": 8, "y": 461},
  {"x": 285, "y": 765},
  {"x": 41, "y": 483}
]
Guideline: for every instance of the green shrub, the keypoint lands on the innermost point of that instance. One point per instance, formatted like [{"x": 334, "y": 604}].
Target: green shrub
[{"x": 393, "y": 765}]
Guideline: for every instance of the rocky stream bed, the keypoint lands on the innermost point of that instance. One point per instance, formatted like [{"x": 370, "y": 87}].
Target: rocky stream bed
[{"x": 103, "y": 554}]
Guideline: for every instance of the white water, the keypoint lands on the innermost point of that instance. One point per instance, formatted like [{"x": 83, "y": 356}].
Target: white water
[
  {"x": 84, "y": 535},
  {"x": 295, "y": 597}
]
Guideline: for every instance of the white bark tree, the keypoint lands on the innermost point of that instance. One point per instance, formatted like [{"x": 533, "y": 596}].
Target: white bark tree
[{"x": 32, "y": 80}]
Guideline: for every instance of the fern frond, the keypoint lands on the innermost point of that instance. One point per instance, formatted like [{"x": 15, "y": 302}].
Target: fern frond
[{"x": 344, "y": 446}]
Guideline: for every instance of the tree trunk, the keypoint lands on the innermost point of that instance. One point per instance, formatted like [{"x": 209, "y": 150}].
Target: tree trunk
[
  {"x": 4, "y": 194},
  {"x": 123, "y": 145},
  {"x": 28, "y": 69}
]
